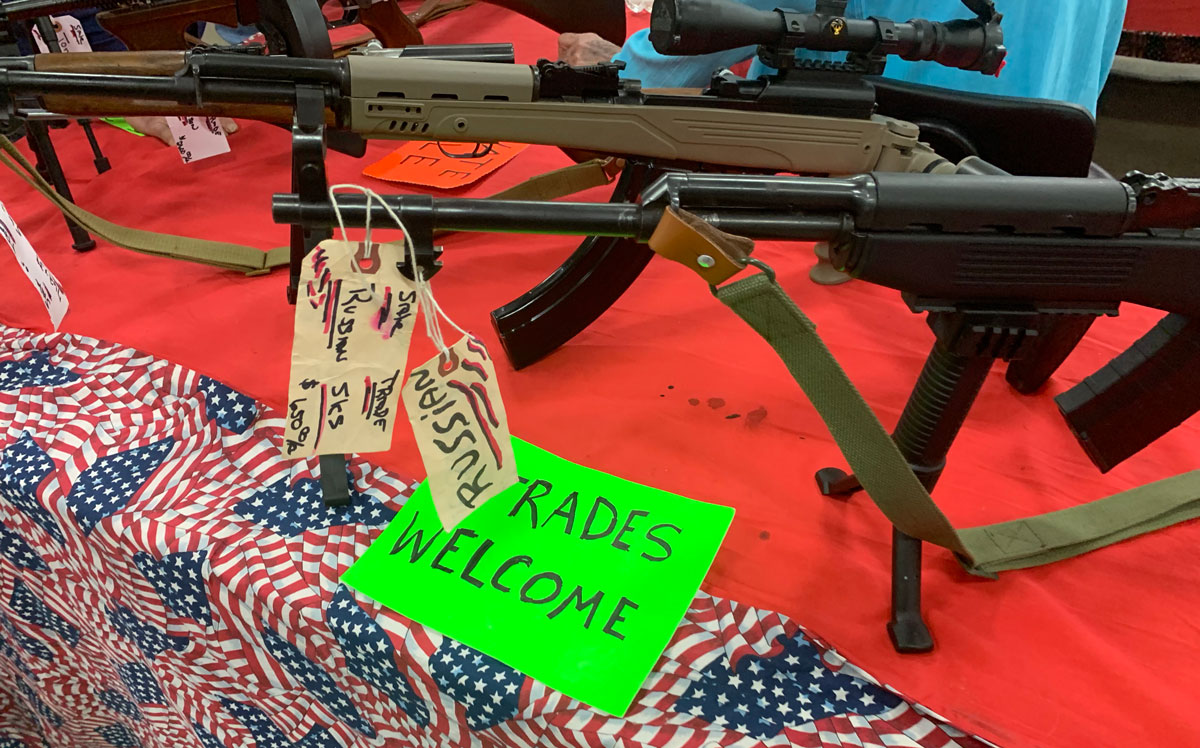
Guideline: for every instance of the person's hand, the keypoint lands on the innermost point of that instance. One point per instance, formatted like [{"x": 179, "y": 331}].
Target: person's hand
[
  {"x": 585, "y": 49},
  {"x": 157, "y": 127}
]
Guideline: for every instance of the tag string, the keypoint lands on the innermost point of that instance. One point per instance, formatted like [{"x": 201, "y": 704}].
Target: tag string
[{"x": 432, "y": 309}]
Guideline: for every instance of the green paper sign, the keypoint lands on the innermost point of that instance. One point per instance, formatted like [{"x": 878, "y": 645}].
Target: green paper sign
[
  {"x": 574, "y": 577},
  {"x": 122, "y": 124}
]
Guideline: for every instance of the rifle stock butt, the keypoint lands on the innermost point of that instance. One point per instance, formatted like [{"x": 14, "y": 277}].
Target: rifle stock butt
[{"x": 1140, "y": 395}]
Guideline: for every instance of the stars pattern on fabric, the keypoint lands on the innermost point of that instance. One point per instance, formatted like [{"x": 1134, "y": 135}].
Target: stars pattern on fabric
[
  {"x": 116, "y": 701},
  {"x": 18, "y": 551},
  {"x": 28, "y": 606},
  {"x": 23, "y": 467},
  {"x": 323, "y": 687},
  {"x": 9, "y": 651},
  {"x": 108, "y": 485},
  {"x": 119, "y": 736},
  {"x": 27, "y": 643},
  {"x": 34, "y": 370},
  {"x": 229, "y": 408},
  {"x": 141, "y": 683},
  {"x": 37, "y": 705},
  {"x": 488, "y": 689},
  {"x": 292, "y": 509},
  {"x": 179, "y": 580},
  {"x": 207, "y": 739},
  {"x": 370, "y": 655},
  {"x": 65, "y": 671},
  {"x": 147, "y": 638},
  {"x": 762, "y": 695},
  {"x": 267, "y": 735}
]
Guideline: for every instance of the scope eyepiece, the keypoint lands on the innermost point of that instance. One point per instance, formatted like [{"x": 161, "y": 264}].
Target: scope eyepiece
[{"x": 696, "y": 27}]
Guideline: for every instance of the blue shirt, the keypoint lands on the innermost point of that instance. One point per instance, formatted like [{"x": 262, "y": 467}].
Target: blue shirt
[{"x": 1057, "y": 49}]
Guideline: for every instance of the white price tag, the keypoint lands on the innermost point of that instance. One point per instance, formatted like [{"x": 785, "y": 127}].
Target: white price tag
[
  {"x": 198, "y": 137},
  {"x": 71, "y": 37},
  {"x": 39, "y": 275}
]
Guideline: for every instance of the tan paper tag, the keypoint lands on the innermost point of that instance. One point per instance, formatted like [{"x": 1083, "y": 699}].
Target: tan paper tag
[
  {"x": 349, "y": 349},
  {"x": 461, "y": 427}
]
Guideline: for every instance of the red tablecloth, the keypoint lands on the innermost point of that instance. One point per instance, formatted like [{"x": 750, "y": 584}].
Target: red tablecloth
[
  {"x": 1170, "y": 16},
  {"x": 1099, "y": 650}
]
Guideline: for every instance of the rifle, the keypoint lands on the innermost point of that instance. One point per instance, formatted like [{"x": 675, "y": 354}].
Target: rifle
[
  {"x": 814, "y": 120},
  {"x": 994, "y": 260},
  {"x": 807, "y": 118}
]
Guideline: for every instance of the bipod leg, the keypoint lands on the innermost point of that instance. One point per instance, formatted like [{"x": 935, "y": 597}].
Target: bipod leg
[
  {"x": 98, "y": 157},
  {"x": 953, "y": 373},
  {"x": 51, "y": 170},
  {"x": 931, "y": 420}
]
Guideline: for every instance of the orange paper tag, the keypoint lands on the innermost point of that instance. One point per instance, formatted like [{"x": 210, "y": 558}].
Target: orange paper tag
[{"x": 422, "y": 162}]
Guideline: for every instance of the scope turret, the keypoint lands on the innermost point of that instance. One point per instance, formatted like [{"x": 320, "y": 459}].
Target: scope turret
[{"x": 695, "y": 27}]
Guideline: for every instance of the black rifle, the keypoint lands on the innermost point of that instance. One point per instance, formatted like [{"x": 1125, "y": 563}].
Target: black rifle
[
  {"x": 956, "y": 125},
  {"x": 995, "y": 260}
]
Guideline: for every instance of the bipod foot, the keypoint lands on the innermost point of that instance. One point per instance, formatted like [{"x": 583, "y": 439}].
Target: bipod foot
[
  {"x": 909, "y": 634},
  {"x": 836, "y": 483},
  {"x": 907, "y": 628}
]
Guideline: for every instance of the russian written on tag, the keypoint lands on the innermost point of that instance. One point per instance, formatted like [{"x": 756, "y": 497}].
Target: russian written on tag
[
  {"x": 354, "y": 322},
  {"x": 70, "y": 33},
  {"x": 574, "y": 577},
  {"x": 198, "y": 138},
  {"x": 48, "y": 287},
  {"x": 461, "y": 427}
]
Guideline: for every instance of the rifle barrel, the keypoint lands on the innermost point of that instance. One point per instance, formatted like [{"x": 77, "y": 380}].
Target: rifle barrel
[{"x": 536, "y": 217}]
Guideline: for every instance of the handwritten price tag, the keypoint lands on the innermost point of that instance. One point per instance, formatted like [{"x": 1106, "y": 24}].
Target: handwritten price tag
[
  {"x": 349, "y": 350},
  {"x": 70, "y": 33},
  {"x": 461, "y": 427},
  {"x": 198, "y": 137},
  {"x": 36, "y": 271}
]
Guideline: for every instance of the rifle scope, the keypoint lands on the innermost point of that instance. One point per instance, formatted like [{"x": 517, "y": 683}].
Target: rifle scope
[{"x": 696, "y": 27}]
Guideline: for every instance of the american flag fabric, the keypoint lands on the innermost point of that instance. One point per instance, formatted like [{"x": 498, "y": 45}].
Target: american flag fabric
[{"x": 168, "y": 579}]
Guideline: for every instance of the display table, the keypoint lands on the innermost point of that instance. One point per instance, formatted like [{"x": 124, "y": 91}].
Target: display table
[{"x": 667, "y": 389}]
